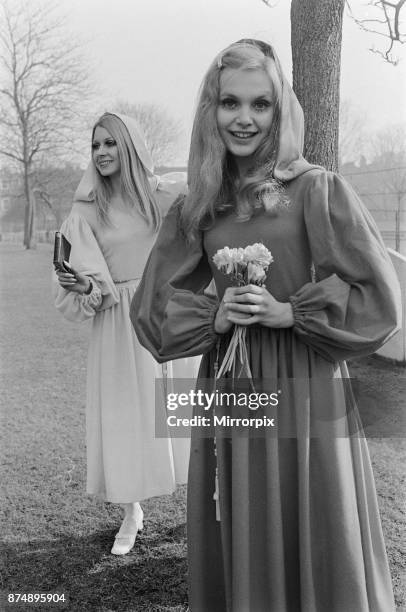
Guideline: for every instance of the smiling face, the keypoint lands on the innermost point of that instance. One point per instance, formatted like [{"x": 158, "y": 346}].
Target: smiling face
[
  {"x": 245, "y": 111},
  {"x": 105, "y": 152}
]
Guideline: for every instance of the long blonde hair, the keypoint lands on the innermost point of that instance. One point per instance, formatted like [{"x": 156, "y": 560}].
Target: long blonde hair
[
  {"x": 212, "y": 173},
  {"x": 134, "y": 181}
]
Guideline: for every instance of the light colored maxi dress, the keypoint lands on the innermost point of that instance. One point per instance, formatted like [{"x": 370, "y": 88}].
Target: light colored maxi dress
[{"x": 125, "y": 461}]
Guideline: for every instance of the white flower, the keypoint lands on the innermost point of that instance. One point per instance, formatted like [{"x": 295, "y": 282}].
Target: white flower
[
  {"x": 227, "y": 260},
  {"x": 247, "y": 265},
  {"x": 255, "y": 273},
  {"x": 239, "y": 255},
  {"x": 258, "y": 253},
  {"x": 220, "y": 259},
  {"x": 254, "y": 260}
]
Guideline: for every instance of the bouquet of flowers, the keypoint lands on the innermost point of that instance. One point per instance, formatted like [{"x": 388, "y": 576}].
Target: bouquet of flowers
[{"x": 245, "y": 266}]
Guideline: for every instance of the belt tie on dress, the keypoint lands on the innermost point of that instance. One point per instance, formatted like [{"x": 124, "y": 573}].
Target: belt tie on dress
[{"x": 129, "y": 280}]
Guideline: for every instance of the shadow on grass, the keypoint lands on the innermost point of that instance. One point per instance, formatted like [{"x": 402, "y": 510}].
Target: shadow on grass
[{"x": 152, "y": 577}]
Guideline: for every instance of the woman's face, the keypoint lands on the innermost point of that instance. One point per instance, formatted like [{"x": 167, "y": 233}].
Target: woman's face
[
  {"x": 105, "y": 152},
  {"x": 245, "y": 110}
]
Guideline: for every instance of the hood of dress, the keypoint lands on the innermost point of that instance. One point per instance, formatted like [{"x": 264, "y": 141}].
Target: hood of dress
[
  {"x": 86, "y": 185},
  {"x": 290, "y": 162}
]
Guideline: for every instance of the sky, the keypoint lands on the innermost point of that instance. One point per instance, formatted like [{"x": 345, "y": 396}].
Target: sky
[{"x": 158, "y": 51}]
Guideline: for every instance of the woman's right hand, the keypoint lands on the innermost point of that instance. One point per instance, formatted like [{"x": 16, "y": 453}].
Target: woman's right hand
[{"x": 75, "y": 281}]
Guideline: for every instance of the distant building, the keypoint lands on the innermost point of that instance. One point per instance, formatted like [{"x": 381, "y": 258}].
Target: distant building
[
  {"x": 380, "y": 185},
  {"x": 11, "y": 205},
  {"x": 382, "y": 188}
]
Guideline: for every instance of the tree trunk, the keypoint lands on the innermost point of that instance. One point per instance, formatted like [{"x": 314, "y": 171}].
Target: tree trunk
[
  {"x": 29, "y": 215},
  {"x": 58, "y": 216},
  {"x": 316, "y": 52}
]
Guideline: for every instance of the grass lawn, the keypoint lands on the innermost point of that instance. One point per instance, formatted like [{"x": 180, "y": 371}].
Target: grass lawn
[{"x": 57, "y": 539}]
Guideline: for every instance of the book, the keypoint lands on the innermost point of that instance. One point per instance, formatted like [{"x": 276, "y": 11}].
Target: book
[{"x": 62, "y": 249}]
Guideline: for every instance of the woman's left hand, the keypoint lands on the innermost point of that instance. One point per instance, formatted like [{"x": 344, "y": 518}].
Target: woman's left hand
[{"x": 260, "y": 304}]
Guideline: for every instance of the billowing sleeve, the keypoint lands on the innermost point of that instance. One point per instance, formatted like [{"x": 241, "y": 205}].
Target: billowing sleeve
[
  {"x": 171, "y": 314},
  {"x": 354, "y": 305},
  {"x": 87, "y": 258}
]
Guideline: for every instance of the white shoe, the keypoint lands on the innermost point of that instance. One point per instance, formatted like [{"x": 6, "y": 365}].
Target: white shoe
[{"x": 125, "y": 538}]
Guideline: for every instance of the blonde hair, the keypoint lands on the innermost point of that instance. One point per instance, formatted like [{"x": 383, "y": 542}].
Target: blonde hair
[
  {"x": 212, "y": 173},
  {"x": 134, "y": 180}
]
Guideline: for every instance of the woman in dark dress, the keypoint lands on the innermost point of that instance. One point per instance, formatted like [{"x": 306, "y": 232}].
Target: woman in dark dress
[{"x": 299, "y": 526}]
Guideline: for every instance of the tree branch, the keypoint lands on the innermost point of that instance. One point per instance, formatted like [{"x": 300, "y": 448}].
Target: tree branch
[{"x": 390, "y": 22}]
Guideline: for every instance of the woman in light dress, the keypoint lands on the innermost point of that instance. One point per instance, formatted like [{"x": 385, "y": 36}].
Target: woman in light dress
[
  {"x": 117, "y": 210},
  {"x": 296, "y": 523}
]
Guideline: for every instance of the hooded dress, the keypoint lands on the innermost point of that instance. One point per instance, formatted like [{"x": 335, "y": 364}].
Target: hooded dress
[
  {"x": 299, "y": 525},
  {"x": 126, "y": 462}
]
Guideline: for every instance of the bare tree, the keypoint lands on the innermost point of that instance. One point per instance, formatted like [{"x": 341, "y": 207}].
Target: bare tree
[
  {"x": 389, "y": 148},
  {"x": 43, "y": 87},
  {"x": 316, "y": 42},
  {"x": 382, "y": 18},
  {"x": 316, "y": 34},
  {"x": 162, "y": 132},
  {"x": 54, "y": 189},
  {"x": 352, "y": 133}
]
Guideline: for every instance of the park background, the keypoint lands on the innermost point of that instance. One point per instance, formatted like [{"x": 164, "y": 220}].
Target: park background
[{"x": 147, "y": 59}]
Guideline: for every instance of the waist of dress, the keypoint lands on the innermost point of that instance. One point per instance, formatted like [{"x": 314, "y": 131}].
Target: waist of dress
[{"x": 127, "y": 282}]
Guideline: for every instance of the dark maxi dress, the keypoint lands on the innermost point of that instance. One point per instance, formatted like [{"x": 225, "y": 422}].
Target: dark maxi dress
[{"x": 300, "y": 527}]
